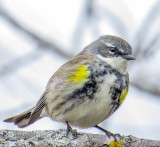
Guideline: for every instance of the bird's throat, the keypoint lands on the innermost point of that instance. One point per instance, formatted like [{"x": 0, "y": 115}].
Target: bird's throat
[{"x": 117, "y": 63}]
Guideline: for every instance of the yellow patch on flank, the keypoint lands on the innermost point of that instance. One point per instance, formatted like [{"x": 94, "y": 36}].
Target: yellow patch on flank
[
  {"x": 116, "y": 144},
  {"x": 123, "y": 95},
  {"x": 79, "y": 75}
]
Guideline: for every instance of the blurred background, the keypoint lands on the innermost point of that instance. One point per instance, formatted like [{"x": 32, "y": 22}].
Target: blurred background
[{"x": 38, "y": 36}]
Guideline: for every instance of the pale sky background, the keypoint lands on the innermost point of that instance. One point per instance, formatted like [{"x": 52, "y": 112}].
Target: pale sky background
[{"x": 57, "y": 21}]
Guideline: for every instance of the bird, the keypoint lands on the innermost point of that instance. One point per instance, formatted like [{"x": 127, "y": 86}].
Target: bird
[{"x": 87, "y": 89}]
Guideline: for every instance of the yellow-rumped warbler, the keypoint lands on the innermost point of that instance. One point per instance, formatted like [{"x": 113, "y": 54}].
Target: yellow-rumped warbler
[{"x": 87, "y": 89}]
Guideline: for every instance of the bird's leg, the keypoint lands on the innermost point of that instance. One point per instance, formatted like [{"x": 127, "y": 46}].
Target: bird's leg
[
  {"x": 69, "y": 129},
  {"x": 109, "y": 134}
]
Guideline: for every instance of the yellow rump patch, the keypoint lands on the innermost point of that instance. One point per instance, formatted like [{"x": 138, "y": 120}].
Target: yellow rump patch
[
  {"x": 123, "y": 95},
  {"x": 79, "y": 75}
]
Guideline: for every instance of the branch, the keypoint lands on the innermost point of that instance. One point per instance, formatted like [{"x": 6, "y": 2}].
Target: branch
[
  {"x": 19, "y": 62},
  {"x": 146, "y": 86},
  {"x": 116, "y": 22},
  {"x": 58, "y": 138},
  {"x": 40, "y": 40},
  {"x": 147, "y": 24}
]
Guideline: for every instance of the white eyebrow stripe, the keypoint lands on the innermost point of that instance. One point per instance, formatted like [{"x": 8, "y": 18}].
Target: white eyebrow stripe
[{"x": 109, "y": 44}]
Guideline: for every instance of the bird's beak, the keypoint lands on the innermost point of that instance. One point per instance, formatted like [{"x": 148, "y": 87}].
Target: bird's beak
[{"x": 128, "y": 57}]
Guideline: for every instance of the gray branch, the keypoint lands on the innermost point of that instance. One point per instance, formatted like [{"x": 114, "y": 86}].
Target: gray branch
[
  {"x": 147, "y": 24},
  {"x": 146, "y": 86},
  {"x": 18, "y": 63},
  {"x": 42, "y": 42},
  {"x": 59, "y": 139}
]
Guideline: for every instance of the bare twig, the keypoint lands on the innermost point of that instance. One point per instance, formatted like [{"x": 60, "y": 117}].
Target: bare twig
[
  {"x": 145, "y": 27},
  {"x": 153, "y": 46},
  {"x": 41, "y": 41},
  {"x": 146, "y": 86},
  {"x": 85, "y": 18},
  {"x": 116, "y": 22},
  {"x": 19, "y": 62}
]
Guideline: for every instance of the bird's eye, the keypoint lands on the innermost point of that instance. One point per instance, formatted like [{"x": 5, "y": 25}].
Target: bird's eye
[{"x": 112, "y": 50}]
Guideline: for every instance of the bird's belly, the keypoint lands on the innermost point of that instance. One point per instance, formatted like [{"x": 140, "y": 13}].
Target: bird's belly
[
  {"x": 92, "y": 111},
  {"x": 89, "y": 114}
]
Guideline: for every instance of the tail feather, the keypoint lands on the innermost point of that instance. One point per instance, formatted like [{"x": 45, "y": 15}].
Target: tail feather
[
  {"x": 21, "y": 120},
  {"x": 30, "y": 116}
]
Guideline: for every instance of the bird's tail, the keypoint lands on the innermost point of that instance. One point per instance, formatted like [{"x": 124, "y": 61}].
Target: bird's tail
[{"x": 22, "y": 120}]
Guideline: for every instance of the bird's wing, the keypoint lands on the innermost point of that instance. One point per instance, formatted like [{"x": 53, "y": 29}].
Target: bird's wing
[
  {"x": 37, "y": 110},
  {"x": 74, "y": 71}
]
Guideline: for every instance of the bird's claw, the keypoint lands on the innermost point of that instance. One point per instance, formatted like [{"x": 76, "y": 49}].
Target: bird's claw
[{"x": 73, "y": 132}]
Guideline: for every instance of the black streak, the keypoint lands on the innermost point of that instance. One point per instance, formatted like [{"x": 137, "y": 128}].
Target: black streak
[{"x": 88, "y": 90}]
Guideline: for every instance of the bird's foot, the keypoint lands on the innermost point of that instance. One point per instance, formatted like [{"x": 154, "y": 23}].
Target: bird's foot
[
  {"x": 73, "y": 132},
  {"x": 109, "y": 134}
]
